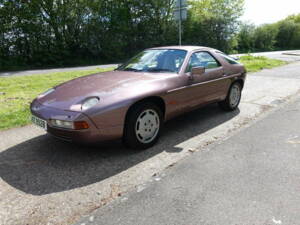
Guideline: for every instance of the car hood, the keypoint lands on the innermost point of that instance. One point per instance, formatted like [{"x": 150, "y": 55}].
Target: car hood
[{"x": 70, "y": 95}]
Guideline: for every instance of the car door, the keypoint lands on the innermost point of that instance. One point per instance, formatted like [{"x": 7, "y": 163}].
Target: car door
[{"x": 209, "y": 86}]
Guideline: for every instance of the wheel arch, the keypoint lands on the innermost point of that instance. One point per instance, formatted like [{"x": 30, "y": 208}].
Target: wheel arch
[
  {"x": 240, "y": 81},
  {"x": 159, "y": 101}
]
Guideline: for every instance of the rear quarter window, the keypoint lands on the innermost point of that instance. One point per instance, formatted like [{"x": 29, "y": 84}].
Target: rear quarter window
[{"x": 227, "y": 58}]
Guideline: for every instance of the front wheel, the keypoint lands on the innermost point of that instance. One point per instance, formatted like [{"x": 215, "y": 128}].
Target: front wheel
[
  {"x": 143, "y": 126},
  {"x": 233, "y": 98}
]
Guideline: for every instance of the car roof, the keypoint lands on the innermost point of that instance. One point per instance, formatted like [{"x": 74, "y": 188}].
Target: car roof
[{"x": 187, "y": 48}]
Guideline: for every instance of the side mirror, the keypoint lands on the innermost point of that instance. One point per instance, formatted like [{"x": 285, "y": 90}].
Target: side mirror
[{"x": 200, "y": 70}]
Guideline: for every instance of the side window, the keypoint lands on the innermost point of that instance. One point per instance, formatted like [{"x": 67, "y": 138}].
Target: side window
[
  {"x": 202, "y": 59},
  {"x": 228, "y": 58}
]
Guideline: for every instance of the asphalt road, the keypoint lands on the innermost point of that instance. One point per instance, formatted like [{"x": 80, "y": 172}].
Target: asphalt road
[
  {"x": 45, "y": 181},
  {"x": 290, "y": 56},
  {"x": 251, "y": 179}
]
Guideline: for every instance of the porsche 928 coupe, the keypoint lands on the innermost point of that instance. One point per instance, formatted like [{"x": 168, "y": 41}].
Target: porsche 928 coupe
[{"x": 133, "y": 101}]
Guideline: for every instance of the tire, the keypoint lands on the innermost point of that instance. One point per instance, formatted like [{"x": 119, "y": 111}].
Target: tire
[
  {"x": 143, "y": 126},
  {"x": 233, "y": 98}
]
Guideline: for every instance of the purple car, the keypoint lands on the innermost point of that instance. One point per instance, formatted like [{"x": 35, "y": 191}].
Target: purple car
[{"x": 133, "y": 101}]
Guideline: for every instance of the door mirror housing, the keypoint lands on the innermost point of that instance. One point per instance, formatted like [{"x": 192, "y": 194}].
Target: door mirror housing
[{"x": 197, "y": 71}]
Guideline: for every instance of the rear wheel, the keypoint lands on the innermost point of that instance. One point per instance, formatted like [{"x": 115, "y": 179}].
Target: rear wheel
[
  {"x": 233, "y": 98},
  {"x": 143, "y": 126}
]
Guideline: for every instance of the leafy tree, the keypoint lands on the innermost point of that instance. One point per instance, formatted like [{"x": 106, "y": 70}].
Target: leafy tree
[
  {"x": 245, "y": 38},
  {"x": 286, "y": 32},
  {"x": 289, "y": 32},
  {"x": 213, "y": 23},
  {"x": 39, "y": 33},
  {"x": 265, "y": 37}
]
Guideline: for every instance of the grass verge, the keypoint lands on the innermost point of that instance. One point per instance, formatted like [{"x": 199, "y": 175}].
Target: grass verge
[
  {"x": 257, "y": 63},
  {"x": 16, "y": 93}
]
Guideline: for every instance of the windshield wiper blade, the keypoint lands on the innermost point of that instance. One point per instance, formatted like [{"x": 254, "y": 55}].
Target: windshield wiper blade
[
  {"x": 131, "y": 69},
  {"x": 160, "y": 70}
]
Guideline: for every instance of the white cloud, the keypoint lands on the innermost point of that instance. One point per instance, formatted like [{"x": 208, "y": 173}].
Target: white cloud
[{"x": 269, "y": 11}]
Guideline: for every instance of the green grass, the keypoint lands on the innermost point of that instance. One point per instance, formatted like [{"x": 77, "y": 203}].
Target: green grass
[
  {"x": 16, "y": 94},
  {"x": 257, "y": 63}
]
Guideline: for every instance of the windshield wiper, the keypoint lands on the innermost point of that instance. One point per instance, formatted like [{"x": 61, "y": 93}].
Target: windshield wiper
[
  {"x": 131, "y": 69},
  {"x": 160, "y": 70}
]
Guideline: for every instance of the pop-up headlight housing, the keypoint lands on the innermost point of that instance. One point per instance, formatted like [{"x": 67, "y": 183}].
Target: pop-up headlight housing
[
  {"x": 46, "y": 93},
  {"x": 89, "y": 103}
]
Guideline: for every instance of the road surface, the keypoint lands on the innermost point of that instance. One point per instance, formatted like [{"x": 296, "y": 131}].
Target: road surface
[
  {"x": 251, "y": 179},
  {"x": 290, "y": 56},
  {"x": 45, "y": 181}
]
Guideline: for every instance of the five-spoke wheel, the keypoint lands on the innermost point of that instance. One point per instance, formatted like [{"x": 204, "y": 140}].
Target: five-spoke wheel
[
  {"x": 147, "y": 126},
  {"x": 233, "y": 98},
  {"x": 143, "y": 126}
]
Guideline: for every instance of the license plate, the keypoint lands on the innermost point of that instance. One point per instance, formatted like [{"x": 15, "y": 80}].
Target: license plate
[{"x": 39, "y": 122}]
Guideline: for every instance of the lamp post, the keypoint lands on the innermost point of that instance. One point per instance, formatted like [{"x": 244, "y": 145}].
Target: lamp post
[{"x": 180, "y": 14}]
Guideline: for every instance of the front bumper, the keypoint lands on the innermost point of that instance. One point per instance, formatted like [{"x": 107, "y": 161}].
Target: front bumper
[{"x": 87, "y": 136}]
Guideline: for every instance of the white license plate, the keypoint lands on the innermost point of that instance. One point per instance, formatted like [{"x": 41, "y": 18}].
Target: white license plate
[{"x": 39, "y": 122}]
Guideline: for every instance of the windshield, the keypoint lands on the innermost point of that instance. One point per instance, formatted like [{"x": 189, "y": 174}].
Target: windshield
[{"x": 156, "y": 60}]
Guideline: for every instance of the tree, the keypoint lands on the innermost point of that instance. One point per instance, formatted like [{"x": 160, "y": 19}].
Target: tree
[
  {"x": 41, "y": 33},
  {"x": 213, "y": 23},
  {"x": 46, "y": 33},
  {"x": 265, "y": 37},
  {"x": 288, "y": 32},
  {"x": 245, "y": 38}
]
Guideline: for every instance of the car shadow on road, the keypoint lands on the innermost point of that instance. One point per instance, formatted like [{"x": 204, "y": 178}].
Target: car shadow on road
[{"x": 44, "y": 165}]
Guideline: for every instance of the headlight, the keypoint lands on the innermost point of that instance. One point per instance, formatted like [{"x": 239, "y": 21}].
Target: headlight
[
  {"x": 62, "y": 124},
  {"x": 89, "y": 103},
  {"x": 77, "y": 125},
  {"x": 46, "y": 93}
]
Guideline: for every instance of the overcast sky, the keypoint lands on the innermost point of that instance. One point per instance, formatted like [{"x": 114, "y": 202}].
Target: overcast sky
[{"x": 269, "y": 11}]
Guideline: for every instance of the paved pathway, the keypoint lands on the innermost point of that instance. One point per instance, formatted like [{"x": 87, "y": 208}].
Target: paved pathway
[{"x": 251, "y": 179}]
